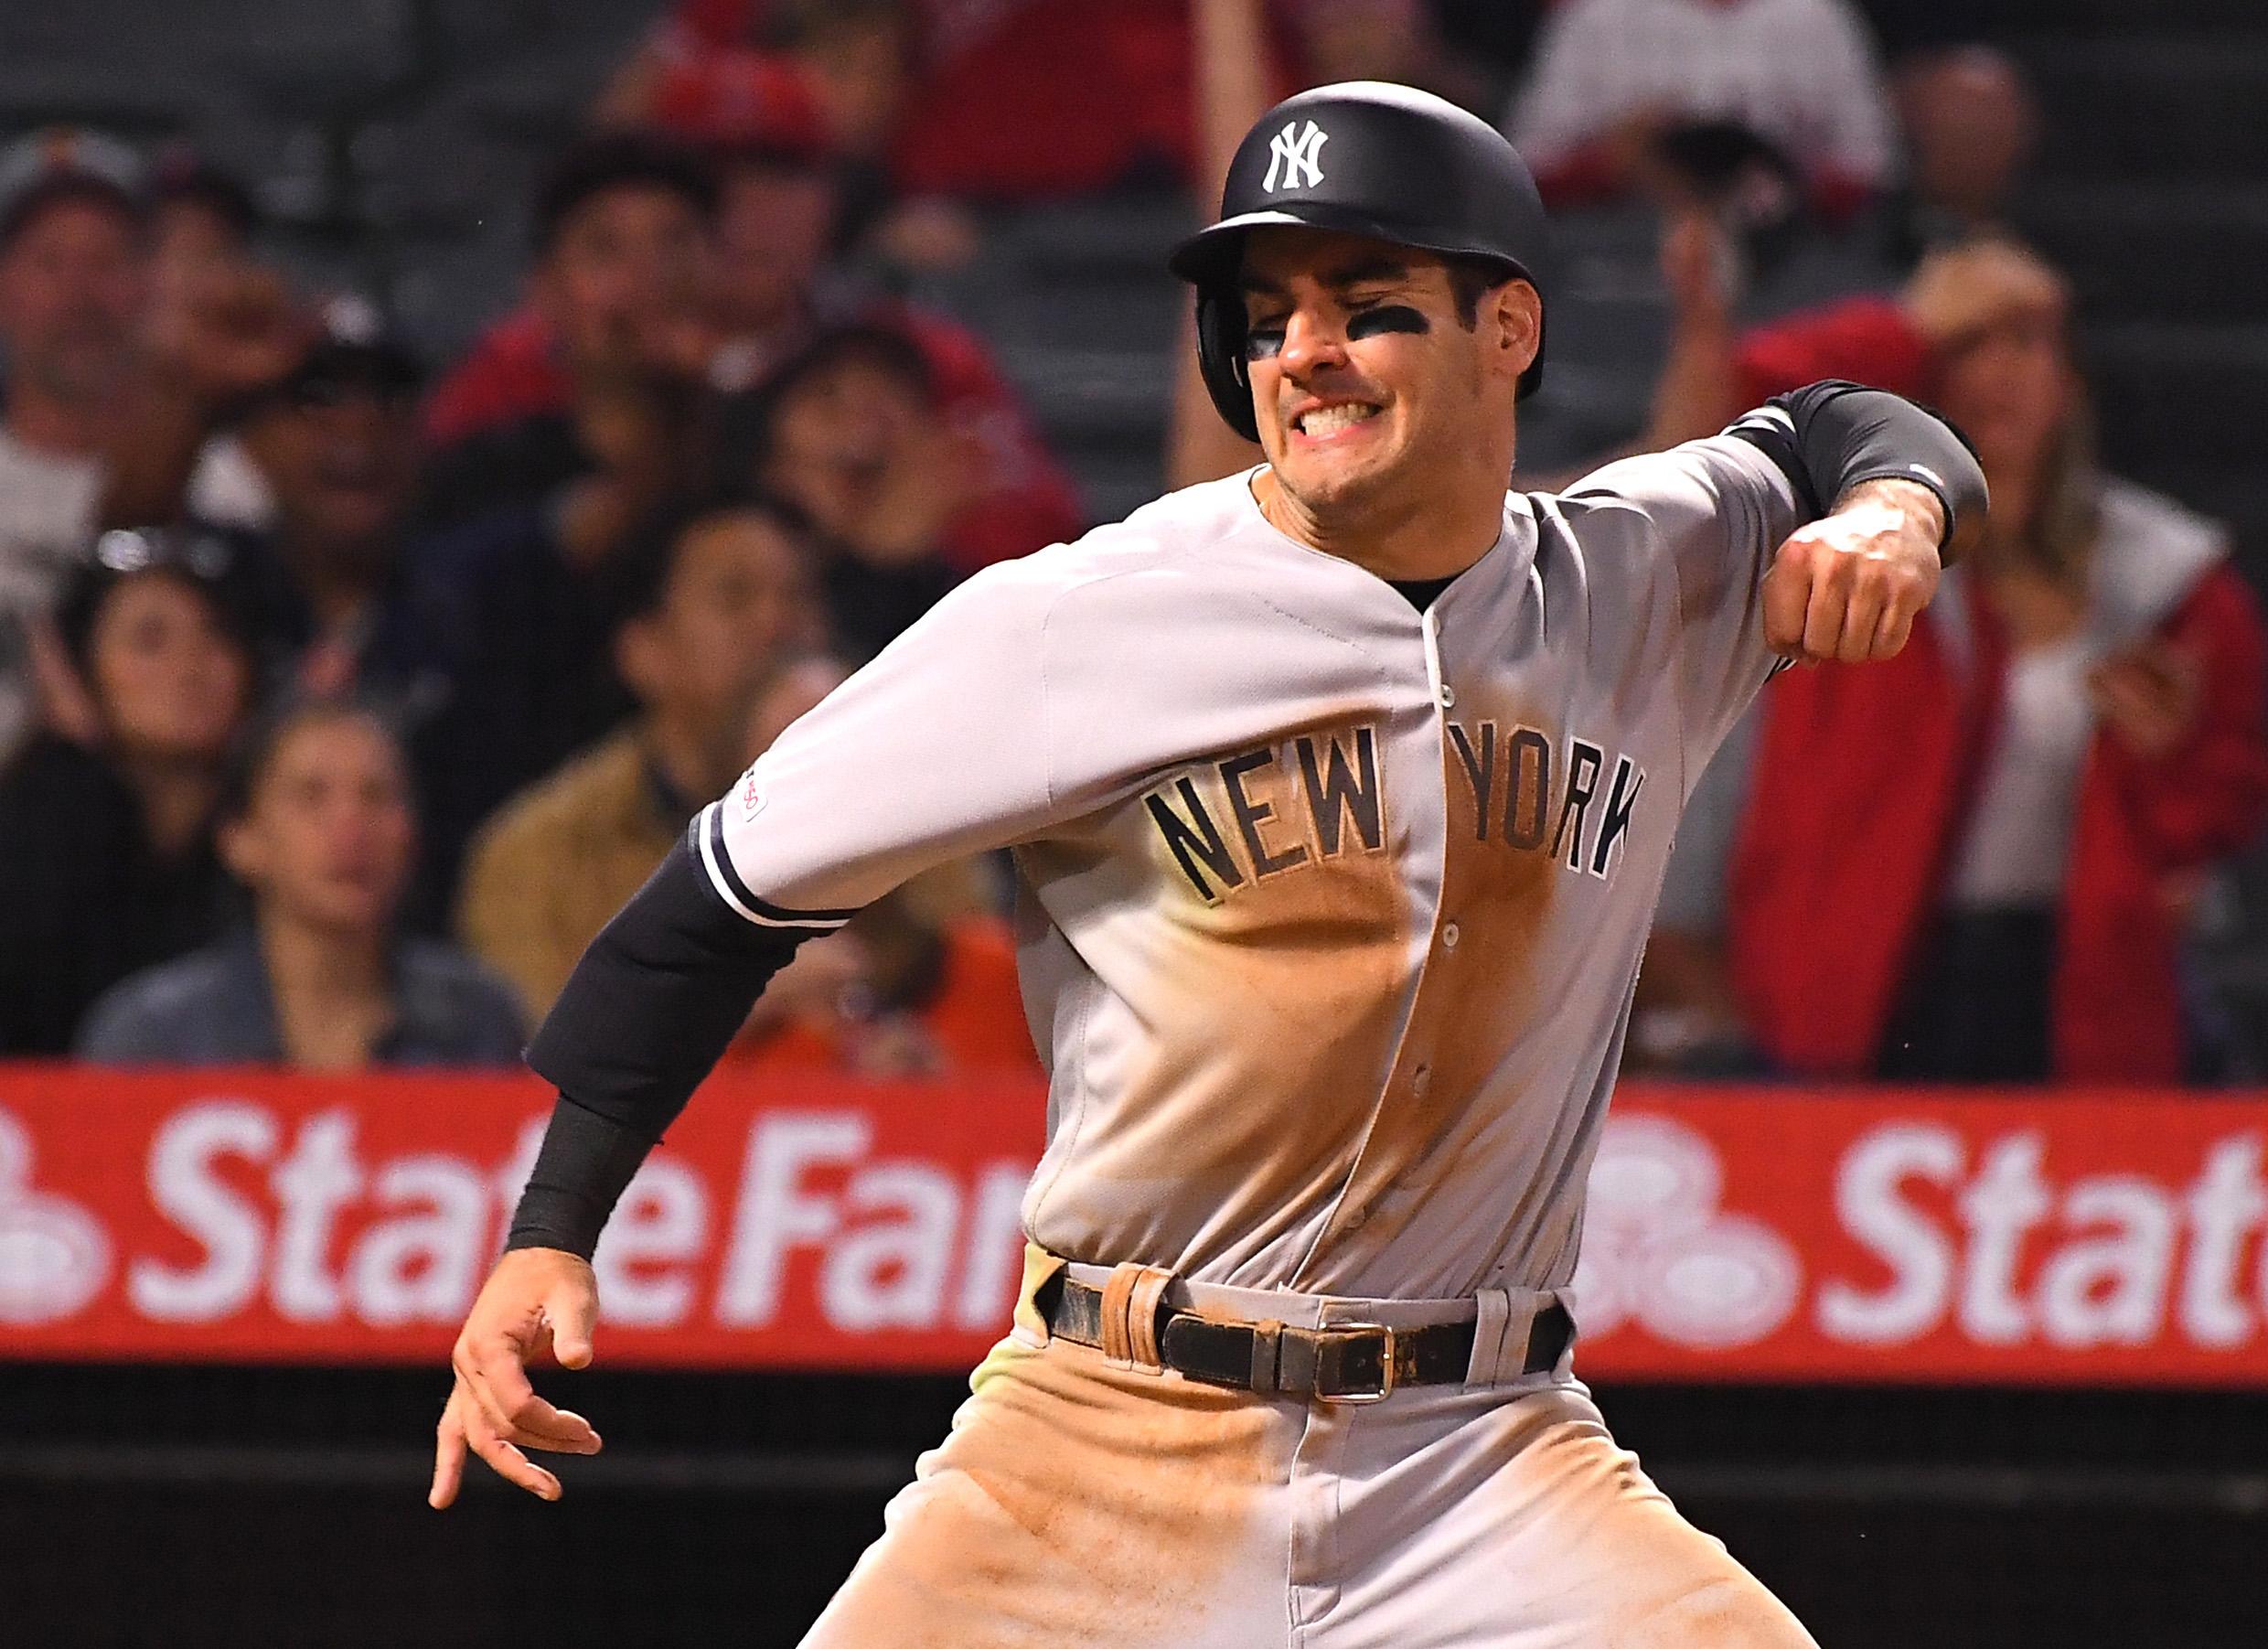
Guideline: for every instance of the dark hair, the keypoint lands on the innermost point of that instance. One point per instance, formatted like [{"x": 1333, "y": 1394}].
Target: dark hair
[
  {"x": 256, "y": 750},
  {"x": 638, "y": 573},
  {"x": 1470, "y": 279},
  {"x": 205, "y": 563},
  {"x": 621, "y": 160},
  {"x": 749, "y": 419},
  {"x": 185, "y": 180},
  {"x": 793, "y": 24}
]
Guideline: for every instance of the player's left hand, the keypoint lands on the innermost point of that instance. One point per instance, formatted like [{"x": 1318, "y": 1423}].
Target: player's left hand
[{"x": 1848, "y": 586}]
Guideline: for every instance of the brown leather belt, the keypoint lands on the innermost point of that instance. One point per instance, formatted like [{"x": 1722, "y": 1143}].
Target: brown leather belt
[{"x": 1344, "y": 1363}]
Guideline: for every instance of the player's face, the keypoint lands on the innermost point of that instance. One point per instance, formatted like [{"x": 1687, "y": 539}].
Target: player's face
[
  {"x": 329, "y": 838},
  {"x": 171, "y": 684},
  {"x": 1367, "y": 373}
]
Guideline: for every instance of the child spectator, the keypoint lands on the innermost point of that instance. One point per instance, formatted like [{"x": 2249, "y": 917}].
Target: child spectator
[
  {"x": 717, "y": 595},
  {"x": 320, "y": 829},
  {"x": 106, "y": 850}
]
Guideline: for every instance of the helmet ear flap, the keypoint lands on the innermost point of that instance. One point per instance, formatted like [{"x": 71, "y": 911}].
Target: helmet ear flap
[{"x": 1221, "y": 357}]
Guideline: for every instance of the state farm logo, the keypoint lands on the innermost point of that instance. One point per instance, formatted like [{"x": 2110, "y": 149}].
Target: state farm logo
[
  {"x": 812, "y": 1227},
  {"x": 54, "y": 1258},
  {"x": 1659, "y": 1251}
]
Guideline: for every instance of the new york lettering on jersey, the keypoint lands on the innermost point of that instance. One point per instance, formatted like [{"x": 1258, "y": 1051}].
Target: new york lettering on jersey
[
  {"x": 1310, "y": 879},
  {"x": 1330, "y": 785}
]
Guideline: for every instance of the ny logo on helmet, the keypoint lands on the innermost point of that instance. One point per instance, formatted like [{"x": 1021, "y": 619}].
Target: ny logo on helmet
[{"x": 1299, "y": 155}]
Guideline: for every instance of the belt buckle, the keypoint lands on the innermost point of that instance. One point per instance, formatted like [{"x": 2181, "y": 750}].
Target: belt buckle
[{"x": 1349, "y": 1330}]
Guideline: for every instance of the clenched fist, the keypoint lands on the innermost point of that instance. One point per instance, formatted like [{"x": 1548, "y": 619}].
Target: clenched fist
[{"x": 1847, "y": 586}]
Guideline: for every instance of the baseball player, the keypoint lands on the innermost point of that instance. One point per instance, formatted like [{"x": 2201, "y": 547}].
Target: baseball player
[{"x": 1339, "y": 793}]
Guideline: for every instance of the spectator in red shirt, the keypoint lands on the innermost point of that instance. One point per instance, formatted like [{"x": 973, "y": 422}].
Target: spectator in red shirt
[
  {"x": 1977, "y": 865},
  {"x": 621, "y": 313},
  {"x": 778, "y": 202},
  {"x": 953, "y": 93}
]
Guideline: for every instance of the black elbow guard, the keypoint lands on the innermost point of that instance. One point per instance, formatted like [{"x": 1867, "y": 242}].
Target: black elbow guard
[
  {"x": 1829, "y": 436},
  {"x": 656, "y": 999}
]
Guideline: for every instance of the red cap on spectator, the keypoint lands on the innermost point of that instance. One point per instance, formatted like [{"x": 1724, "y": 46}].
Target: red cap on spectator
[{"x": 745, "y": 103}]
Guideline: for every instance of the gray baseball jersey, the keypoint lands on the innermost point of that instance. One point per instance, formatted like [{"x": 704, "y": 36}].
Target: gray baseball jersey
[{"x": 1329, "y": 909}]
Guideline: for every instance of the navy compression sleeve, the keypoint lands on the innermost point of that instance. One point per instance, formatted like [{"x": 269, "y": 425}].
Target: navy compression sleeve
[
  {"x": 648, "y": 1010},
  {"x": 1829, "y": 436}
]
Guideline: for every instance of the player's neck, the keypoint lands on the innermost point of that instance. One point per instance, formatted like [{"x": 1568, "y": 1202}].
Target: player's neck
[{"x": 1437, "y": 536}]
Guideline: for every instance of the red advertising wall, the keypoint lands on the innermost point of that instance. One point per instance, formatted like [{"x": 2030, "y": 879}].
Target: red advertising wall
[{"x": 2102, "y": 1238}]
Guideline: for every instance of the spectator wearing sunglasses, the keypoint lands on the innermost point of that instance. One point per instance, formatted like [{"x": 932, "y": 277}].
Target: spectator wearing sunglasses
[
  {"x": 106, "y": 862},
  {"x": 116, "y": 380}
]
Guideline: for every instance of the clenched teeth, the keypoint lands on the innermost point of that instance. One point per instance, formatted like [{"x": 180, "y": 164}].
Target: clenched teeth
[{"x": 1331, "y": 419}]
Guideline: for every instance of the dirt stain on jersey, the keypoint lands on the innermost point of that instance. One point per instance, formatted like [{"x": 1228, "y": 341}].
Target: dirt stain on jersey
[
  {"x": 1283, "y": 1001},
  {"x": 1477, "y": 997},
  {"x": 1077, "y": 1504}
]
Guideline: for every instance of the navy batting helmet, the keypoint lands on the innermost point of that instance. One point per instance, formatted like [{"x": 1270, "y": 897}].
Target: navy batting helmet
[{"x": 1365, "y": 158}]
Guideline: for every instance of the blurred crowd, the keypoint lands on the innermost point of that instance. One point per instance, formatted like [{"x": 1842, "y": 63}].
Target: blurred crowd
[{"x": 345, "y": 694}]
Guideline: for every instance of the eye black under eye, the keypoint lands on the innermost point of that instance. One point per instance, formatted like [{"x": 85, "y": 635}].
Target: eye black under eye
[{"x": 1387, "y": 317}]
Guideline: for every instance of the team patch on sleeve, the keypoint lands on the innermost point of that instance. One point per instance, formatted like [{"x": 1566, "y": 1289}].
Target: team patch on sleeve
[{"x": 707, "y": 839}]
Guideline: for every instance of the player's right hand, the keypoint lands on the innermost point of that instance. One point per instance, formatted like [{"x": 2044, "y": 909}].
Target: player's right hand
[{"x": 536, "y": 1299}]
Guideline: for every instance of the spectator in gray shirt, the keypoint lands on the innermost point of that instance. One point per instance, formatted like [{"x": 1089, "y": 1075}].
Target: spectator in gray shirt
[{"x": 320, "y": 829}]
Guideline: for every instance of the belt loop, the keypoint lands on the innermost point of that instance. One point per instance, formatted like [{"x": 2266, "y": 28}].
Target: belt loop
[
  {"x": 1129, "y": 1326},
  {"x": 1564, "y": 1297},
  {"x": 1266, "y": 1338},
  {"x": 1042, "y": 1272},
  {"x": 1491, "y": 1321}
]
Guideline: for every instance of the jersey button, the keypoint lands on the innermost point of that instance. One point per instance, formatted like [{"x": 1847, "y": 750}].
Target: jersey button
[
  {"x": 1448, "y": 696},
  {"x": 1449, "y": 936}
]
